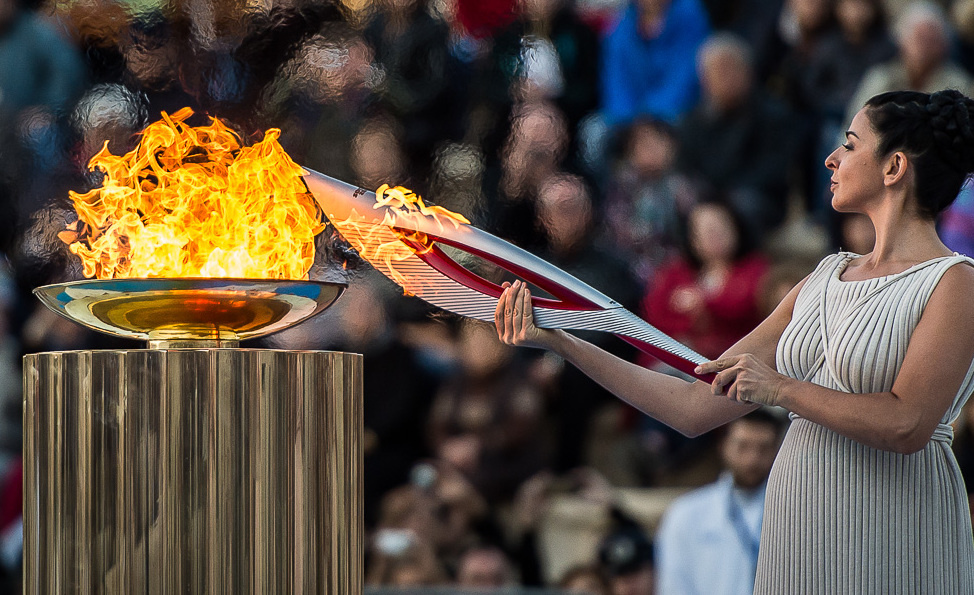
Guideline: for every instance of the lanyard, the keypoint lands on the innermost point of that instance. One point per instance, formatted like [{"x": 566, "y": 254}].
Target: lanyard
[{"x": 750, "y": 540}]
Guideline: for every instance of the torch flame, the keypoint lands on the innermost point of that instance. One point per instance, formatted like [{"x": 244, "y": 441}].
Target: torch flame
[
  {"x": 192, "y": 202},
  {"x": 403, "y": 208}
]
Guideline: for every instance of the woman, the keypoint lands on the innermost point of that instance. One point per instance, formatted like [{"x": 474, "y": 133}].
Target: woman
[
  {"x": 871, "y": 354},
  {"x": 709, "y": 297}
]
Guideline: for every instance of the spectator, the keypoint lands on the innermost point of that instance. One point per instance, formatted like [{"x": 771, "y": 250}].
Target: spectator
[
  {"x": 709, "y": 297},
  {"x": 487, "y": 419},
  {"x": 923, "y": 62},
  {"x": 328, "y": 100},
  {"x": 536, "y": 147},
  {"x": 804, "y": 25},
  {"x": 843, "y": 56},
  {"x": 411, "y": 47},
  {"x": 626, "y": 556},
  {"x": 567, "y": 219},
  {"x": 757, "y": 22},
  {"x": 584, "y": 580},
  {"x": 546, "y": 54},
  {"x": 646, "y": 197},
  {"x": 739, "y": 139},
  {"x": 707, "y": 543},
  {"x": 402, "y": 551},
  {"x": 485, "y": 567},
  {"x": 861, "y": 41},
  {"x": 648, "y": 61}
]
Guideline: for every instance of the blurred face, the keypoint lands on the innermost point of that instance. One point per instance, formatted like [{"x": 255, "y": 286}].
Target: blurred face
[
  {"x": 923, "y": 47},
  {"x": 749, "y": 451},
  {"x": 480, "y": 351},
  {"x": 641, "y": 582},
  {"x": 565, "y": 212},
  {"x": 811, "y": 14},
  {"x": 483, "y": 569},
  {"x": 585, "y": 583},
  {"x": 726, "y": 78},
  {"x": 857, "y": 172},
  {"x": 855, "y": 16},
  {"x": 651, "y": 151},
  {"x": 377, "y": 156},
  {"x": 712, "y": 233}
]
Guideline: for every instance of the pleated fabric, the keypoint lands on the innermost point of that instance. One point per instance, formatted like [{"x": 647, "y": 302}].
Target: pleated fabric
[{"x": 842, "y": 517}]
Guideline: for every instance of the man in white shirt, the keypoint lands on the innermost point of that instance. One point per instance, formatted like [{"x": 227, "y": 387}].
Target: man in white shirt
[{"x": 708, "y": 539}]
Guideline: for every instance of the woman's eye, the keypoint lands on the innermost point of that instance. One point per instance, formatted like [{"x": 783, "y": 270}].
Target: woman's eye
[{"x": 847, "y": 147}]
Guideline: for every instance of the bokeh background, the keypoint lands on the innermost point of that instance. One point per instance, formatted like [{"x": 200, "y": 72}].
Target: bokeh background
[{"x": 668, "y": 152}]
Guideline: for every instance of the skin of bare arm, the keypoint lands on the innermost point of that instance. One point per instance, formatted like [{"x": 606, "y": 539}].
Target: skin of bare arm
[
  {"x": 688, "y": 407},
  {"x": 901, "y": 420}
]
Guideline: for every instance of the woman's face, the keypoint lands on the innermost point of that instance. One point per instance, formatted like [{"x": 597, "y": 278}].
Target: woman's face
[{"x": 857, "y": 172}]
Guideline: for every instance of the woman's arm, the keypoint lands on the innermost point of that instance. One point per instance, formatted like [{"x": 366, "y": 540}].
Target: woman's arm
[
  {"x": 902, "y": 420},
  {"x": 688, "y": 407}
]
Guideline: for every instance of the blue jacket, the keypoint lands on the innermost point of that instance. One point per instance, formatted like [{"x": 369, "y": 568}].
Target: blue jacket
[{"x": 653, "y": 77}]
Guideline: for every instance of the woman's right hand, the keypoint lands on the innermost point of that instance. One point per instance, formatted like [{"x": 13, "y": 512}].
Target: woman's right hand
[{"x": 514, "y": 319}]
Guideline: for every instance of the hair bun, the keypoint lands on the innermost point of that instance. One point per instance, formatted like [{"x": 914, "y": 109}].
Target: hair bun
[{"x": 950, "y": 121}]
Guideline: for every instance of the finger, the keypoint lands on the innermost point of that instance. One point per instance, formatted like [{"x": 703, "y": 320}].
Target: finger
[
  {"x": 499, "y": 321},
  {"x": 713, "y": 366},
  {"x": 510, "y": 312},
  {"x": 722, "y": 380},
  {"x": 527, "y": 308}
]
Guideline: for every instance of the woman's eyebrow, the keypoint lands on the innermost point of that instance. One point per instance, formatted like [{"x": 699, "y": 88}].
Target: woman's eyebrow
[{"x": 851, "y": 133}]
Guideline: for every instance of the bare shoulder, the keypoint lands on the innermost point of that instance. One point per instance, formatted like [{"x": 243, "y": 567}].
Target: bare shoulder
[
  {"x": 958, "y": 281},
  {"x": 952, "y": 296}
]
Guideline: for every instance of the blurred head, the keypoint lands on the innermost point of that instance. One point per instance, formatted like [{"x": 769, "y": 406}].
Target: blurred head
[
  {"x": 652, "y": 7},
  {"x": 565, "y": 211},
  {"x": 726, "y": 68},
  {"x": 923, "y": 36},
  {"x": 483, "y": 567},
  {"x": 858, "y": 18},
  {"x": 649, "y": 147},
  {"x": 540, "y": 10},
  {"x": 750, "y": 446},
  {"x": 585, "y": 580},
  {"x": 714, "y": 233},
  {"x": 481, "y": 352},
  {"x": 626, "y": 556},
  {"x": 811, "y": 15},
  {"x": 536, "y": 145},
  {"x": 410, "y": 511},
  {"x": 377, "y": 155}
]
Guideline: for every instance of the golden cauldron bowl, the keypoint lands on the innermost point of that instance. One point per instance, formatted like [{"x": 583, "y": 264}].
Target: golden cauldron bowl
[{"x": 189, "y": 312}]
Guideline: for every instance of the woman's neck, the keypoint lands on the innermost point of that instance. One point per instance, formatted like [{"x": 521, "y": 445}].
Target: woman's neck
[{"x": 904, "y": 239}]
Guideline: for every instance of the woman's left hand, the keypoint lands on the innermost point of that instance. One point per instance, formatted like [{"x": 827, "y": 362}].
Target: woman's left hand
[{"x": 745, "y": 378}]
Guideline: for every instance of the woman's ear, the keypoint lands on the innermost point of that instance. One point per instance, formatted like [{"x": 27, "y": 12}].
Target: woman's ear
[{"x": 895, "y": 169}]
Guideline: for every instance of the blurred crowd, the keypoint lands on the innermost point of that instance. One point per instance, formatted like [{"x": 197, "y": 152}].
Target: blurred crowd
[{"x": 667, "y": 152}]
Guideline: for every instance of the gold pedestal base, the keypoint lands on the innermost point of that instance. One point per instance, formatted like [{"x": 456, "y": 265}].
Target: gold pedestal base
[{"x": 193, "y": 471}]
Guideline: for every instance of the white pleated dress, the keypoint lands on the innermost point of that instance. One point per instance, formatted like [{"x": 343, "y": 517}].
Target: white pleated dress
[{"x": 841, "y": 517}]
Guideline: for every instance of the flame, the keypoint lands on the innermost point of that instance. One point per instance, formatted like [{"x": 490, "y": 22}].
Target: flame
[
  {"x": 403, "y": 208},
  {"x": 192, "y": 202}
]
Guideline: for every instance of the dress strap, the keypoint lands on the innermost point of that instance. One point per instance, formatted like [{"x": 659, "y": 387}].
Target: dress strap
[{"x": 943, "y": 433}]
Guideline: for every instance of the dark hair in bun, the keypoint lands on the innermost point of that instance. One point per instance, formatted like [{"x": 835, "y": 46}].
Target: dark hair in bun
[{"x": 936, "y": 131}]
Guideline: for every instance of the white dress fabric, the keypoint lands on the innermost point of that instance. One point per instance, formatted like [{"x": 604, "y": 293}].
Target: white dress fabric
[{"x": 842, "y": 517}]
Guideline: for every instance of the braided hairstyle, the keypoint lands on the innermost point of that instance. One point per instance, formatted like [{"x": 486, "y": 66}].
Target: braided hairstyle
[{"x": 936, "y": 131}]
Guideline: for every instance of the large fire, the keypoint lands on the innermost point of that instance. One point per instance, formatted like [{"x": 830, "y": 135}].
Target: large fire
[
  {"x": 193, "y": 202},
  {"x": 402, "y": 208}
]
